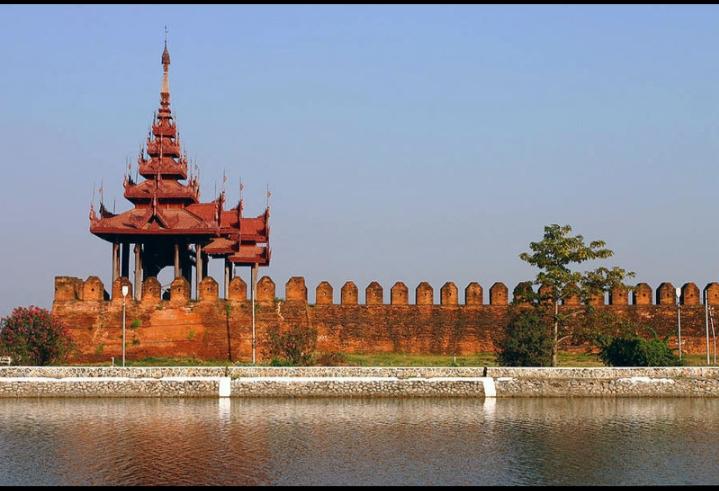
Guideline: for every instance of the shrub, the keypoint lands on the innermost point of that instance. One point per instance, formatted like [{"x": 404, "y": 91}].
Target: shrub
[
  {"x": 294, "y": 346},
  {"x": 526, "y": 341},
  {"x": 32, "y": 336},
  {"x": 635, "y": 351}
]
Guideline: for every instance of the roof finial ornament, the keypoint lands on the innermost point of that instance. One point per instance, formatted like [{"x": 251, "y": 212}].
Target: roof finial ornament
[
  {"x": 165, "y": 92},
  {"x": 165, "y": 52}
]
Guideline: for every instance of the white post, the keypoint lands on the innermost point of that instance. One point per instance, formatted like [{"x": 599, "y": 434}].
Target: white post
[
  {"x": 706, "y": 321},
  {"x": 253, "y": 280},
  {"x": 678, "y": 292},
  {"x": 714, "y": 336},
  {"x": 125, "y": 291}
]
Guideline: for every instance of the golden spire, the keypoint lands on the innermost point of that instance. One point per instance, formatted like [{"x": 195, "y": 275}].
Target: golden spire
[{"x": 165, "y": 67}]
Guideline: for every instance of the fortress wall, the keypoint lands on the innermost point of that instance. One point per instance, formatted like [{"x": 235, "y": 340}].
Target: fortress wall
[{"x": 214, "y": 328}]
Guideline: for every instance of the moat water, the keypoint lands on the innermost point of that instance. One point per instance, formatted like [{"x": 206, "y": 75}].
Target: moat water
[{"x": 359, "y": 441}]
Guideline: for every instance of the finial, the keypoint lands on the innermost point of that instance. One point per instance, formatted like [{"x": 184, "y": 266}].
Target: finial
[{"x": 165, "y": 52}]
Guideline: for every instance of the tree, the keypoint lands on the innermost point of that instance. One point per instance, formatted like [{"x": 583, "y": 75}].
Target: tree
[
  {"x": 32, "y": 336},
  {"x": 554, "y": 255},
  {"x": 525, "y": 342}
]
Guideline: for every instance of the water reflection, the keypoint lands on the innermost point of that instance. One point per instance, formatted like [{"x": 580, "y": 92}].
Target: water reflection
[{"x": 365, "y": 441}]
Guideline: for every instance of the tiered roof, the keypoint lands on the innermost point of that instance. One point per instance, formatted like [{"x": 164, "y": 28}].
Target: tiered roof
[{"x": 166, "y": 206}]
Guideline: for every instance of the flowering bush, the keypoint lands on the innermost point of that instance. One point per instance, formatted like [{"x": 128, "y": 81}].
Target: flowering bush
[{"x": 32, "y": 336}]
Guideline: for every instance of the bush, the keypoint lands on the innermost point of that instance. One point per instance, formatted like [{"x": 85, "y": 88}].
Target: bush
[
  {"x": 635, "y": 351},
  {"x": 32, "y": 336},
  {"x": 526, "y": 341},
  {"x": 294, "y": 346}
]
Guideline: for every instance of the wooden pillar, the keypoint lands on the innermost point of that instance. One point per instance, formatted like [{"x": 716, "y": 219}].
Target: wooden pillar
[
  {"x": 115, "y": 261},
  {"x": 138, "y": 271},
  {"x": 228, "y": 276},
  {"x": 177, "y": 260},
  {"x": 198, "y": 269},
  {"x": 205, "y": 265},
  {"x": 126, "y": 259}
]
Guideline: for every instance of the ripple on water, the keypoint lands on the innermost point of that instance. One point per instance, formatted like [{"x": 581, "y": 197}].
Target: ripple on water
[{"x": 358, "y": 441}]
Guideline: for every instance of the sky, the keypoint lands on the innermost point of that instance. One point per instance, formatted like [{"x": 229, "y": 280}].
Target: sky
[{"x": 400, "y": 143}]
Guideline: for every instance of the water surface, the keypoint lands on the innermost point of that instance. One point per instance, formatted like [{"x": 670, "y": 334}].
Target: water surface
[{"x": 359, "y": 441}]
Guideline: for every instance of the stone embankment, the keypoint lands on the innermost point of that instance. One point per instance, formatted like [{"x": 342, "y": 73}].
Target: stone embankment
[{"x": 480, "y": 382}]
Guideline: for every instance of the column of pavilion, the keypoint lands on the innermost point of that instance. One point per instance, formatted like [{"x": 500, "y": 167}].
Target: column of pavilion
[{"x": 121, "y": 266}]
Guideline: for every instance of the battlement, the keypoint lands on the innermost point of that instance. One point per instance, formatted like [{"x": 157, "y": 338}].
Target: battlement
[
  {"x": 172, "y": 323},
  {"x": 92, "y": 290}
]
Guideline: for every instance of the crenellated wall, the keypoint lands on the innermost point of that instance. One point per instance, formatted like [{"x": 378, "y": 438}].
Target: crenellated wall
[{"x": 215, "y": 328}]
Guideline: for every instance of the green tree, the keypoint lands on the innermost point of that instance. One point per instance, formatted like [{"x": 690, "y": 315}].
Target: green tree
[
  {"x": 525, "y": 342},
  {"x": 554, "y": 256}
]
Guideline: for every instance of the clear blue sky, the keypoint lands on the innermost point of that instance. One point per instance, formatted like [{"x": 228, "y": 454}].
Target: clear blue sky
[{"x": 400, "y": 142}]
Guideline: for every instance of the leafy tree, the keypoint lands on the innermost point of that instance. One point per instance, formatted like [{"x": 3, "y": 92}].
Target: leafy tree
[
  {"x": 32, "y": 336},
  {"x": 525, "y": 342},
  {"x": 553, "y": 256}
]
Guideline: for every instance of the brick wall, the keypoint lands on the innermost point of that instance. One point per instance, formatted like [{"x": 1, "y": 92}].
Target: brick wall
[{"x": 214, "y": 328}]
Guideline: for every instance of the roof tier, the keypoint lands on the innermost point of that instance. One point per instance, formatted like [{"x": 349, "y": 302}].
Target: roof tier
[{"x": 166, "y": 207}]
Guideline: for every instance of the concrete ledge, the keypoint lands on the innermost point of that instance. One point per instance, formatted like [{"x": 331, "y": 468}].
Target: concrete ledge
[
  {"x": 241, "y": 387},
  {"x": 109, "y": 387},
  {"x": 357, "y": 382},
  {"x": 127, "y": 372},
  {"x": 602, "y": 372},
  {"x": 358, "y": 387},
  {"x": 606, "y": 382}
]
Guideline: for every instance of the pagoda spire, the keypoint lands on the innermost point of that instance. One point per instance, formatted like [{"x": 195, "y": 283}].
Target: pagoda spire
[{"x": 165, "y": 92}]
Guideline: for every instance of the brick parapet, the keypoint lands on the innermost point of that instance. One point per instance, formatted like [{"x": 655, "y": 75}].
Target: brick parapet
[
  {"x": 212, "y": 327},
  {"x": 72, "y": 289}
]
